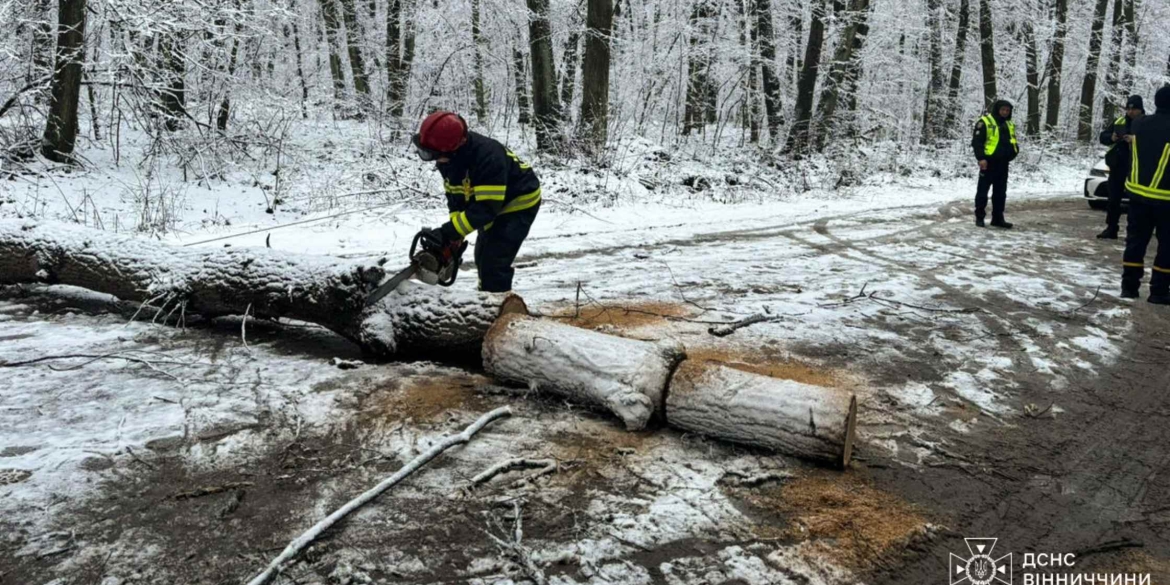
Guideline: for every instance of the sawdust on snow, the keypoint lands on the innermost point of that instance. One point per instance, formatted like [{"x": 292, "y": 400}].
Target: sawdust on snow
[
  {"x": 425, "y": 398},
  {"x": 847, "y": 520}
]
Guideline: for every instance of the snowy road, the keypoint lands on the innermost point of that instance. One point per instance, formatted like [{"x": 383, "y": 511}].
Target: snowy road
[{"x": 1005, "y": 391}]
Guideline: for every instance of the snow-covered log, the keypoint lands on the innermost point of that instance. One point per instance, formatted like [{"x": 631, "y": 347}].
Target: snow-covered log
[
  {"x": 812, "y": 422},
  {"x": 625, "y": 376},
  {"x": 257, "y": 281}
]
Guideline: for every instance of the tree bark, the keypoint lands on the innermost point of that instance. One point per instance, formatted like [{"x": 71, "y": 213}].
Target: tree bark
[
  {"x": 42, "y": 41},
  {"x": 353, "y": 43},
  {"x": 1113, "y": 63},
  {"x": 545, "y": 109},
  {"x": 61, "y": 123},
  {"x": 751, "y": 108},
  {"x": 624, "y": 376},
  {"x": 221, "y": 118},
  {"x": 987, "y": 53},
  {"x": 481, "y": 106},
  {"x": 569, "y": 70},
  {"x": 521, "y": 87},
  {"x": 699, "y": 85},
  {"x": 1032, "y": 65},
  {"x": 258, "y": 281},
  {"x": 798, "y": 136},
  {"x": 296, "y": 35},
  {"x": 763, "y": 16},
  {"x": 956, "y": 82},
  {"x": 795, "y": 63},
  {"x": 932, "y": 112},
  {"x": 173, "y": 96},
  {"x": 1085, "y": 129},
  {"x": 1131, "y": 33},
  {"x": 594, "y": 123},
  {"x": 837, "y": 80},
  {"x": 715, "y": 400},
  {"x": 332, "y": 38},
  {"x": 400, "y": 32},
  {"x": 1055, "y": 67}
]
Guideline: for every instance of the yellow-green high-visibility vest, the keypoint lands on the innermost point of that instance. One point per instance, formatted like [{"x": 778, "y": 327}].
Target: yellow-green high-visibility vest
[
  {"x": 1116, "y": 123},
  {"x": 993, "y": 135}
]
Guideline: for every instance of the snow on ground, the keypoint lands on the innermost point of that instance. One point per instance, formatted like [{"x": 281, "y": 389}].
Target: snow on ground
[{"x": 886, "y": 272}]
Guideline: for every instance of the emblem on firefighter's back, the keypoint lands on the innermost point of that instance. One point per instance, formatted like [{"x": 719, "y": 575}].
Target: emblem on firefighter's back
[{"x": 981, "y": 567}]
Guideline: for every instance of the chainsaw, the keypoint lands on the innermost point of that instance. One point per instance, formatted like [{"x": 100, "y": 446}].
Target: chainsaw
[{"x": 428, "y": 266}]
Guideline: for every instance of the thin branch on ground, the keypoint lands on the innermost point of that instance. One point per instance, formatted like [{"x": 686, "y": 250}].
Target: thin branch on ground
[
  {"x": 1070, "y": 312},
  {"x": 210, "y": 490},
  {"x": 302, "y": 541},
  {"x": 515, "y": 549},
  {"x": 543, "y": 467},
  {"x": 728, "y": 328}
]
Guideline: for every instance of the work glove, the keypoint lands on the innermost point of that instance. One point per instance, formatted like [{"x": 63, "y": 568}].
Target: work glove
[{"x": 433, "y": 239}]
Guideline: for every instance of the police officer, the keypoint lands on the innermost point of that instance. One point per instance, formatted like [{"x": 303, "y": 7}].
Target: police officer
[
  {"x": 1149, "y": 202},
  {"x": 995, "y": 148},
  {"x": 1119, "y": 160},
  {"x": 489, "y": 191}
]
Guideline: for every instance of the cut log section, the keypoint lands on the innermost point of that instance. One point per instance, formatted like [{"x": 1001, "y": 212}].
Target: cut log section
[
  {"x": 625, "y": 376},
  {"x": 262, "y": 282},
  {"x": 811, "y": 422}
]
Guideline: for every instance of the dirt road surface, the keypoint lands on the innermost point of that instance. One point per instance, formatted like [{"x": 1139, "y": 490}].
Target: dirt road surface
[{"x": 1007, "y": 392}]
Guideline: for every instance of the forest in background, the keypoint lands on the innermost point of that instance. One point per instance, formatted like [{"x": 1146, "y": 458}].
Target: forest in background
[{"x": 786, "y": 76}]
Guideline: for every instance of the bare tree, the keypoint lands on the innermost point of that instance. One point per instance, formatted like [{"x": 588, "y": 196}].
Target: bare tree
[
  {"x": 353, "y": 44},
  {"x": 836, "y": 81},
  {"x": 569, "y": 70},
  {"x": 956, "y": 81},
  {"x": 1113, "y": 63},
  {"x": 1055, "y": 67},
  {"x": 481, "y": 105},
  {"x": 1085, "y": 130},
  {"x": 61, "y": 123},
  {"x": 173, "y": 95},
  {"x": 798, "y": 136},
  {"x": 518, "y": 70},
  {"x": 1032, "y": 66},
  {"x": 594, "y": 121},
  {"x": 221, "y": 118},
  {"x": 332, "y": 38},
  {"x": 699, "y": 84},
  {"x": 987, "y": 53},
  {"x": 767, "y": 39},
  {"x": 933, "y": 111},
  {"x": 545, "y": 106}
]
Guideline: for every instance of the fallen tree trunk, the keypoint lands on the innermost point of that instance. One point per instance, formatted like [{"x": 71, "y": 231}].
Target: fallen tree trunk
[
  {"x": 262, "y": 282},
  {"x": 798, "y": 419},
  {"x": 625, "y": 376}
]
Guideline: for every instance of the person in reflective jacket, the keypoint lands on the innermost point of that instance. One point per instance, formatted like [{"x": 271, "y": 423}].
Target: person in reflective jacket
[
  {"x": 489, "y": 190},
  {"x": 1118, "y": 160},
  {"x": 1148, "y": 185},
  {"x": 995, "y": 147}
]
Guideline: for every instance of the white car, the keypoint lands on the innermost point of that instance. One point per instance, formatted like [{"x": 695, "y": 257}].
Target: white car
[{"x": 1097, "y": 186}]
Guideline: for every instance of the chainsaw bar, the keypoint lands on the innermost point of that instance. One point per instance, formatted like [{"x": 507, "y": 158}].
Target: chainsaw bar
[{"x": 389, "y": 285}]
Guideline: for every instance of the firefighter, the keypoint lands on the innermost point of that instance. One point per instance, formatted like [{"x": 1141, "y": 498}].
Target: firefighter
[
  {"x": 489, "y": 190},
  {"x": 1149, "y": 202},
  {"x": 995, "y": 148},
  {"x": 1117, "y": 158}
]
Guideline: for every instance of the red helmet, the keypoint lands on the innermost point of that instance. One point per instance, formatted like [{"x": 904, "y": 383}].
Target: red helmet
[{"x": 441, "y": 132}]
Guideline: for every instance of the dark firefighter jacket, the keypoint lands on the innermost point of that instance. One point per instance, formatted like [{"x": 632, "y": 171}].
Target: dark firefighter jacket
[
  {"x": 995, "y": 137},
  {"x": 1150, "y": 153},
  {"x": 484, "y": 180}
]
